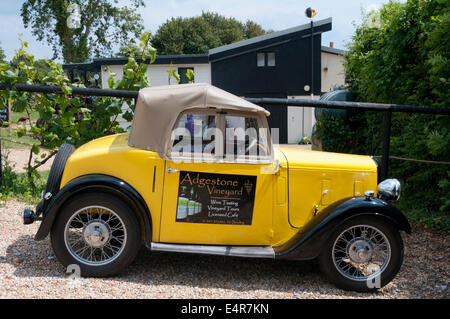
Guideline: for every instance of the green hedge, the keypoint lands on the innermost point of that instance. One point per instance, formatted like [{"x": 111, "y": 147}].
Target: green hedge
[{"x": 401, "y": 54}]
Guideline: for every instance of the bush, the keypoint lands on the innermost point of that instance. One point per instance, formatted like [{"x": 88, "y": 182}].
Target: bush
[
  {"x": 401, "y": 54},
  {"x": 17, "y": 185},
  {"x": 355, "y": 134},
  {"x": 65, "y": 118}
]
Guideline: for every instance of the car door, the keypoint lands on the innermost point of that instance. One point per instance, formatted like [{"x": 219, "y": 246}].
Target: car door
[{"x": 218, "y": 197}]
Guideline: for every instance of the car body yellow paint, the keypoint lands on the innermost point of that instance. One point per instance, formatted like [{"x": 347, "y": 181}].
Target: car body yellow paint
[{"x": 287, "y": 198}]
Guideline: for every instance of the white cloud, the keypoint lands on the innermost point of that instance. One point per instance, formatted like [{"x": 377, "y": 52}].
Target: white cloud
[{"x": 373, "y": 7}]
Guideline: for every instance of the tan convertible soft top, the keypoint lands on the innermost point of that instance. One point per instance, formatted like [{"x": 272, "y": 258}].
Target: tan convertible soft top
[{"x": 157, "y": 109}]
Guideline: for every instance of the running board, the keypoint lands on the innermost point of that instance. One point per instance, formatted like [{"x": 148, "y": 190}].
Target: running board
[{"x": 237, "y": 251}]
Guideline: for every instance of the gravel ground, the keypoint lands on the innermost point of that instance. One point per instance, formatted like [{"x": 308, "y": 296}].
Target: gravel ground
[
  {"x": 18, "y": 158},
  {"x": 29, "y": 269}
]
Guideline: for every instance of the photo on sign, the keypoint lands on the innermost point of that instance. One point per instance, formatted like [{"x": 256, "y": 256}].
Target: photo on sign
[{"x": 215, "y": 198}]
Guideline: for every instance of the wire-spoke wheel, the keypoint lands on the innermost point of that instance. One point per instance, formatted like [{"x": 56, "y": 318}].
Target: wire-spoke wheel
[
  {"x": 98, "y": 232},
  {"x": 360, "y": 252},
  {"x": 95, "y": 235},
  {"x": 363, "y": 254}
]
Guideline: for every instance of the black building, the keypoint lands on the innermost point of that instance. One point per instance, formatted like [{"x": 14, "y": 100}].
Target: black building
[{"x": 279, "y": 64}]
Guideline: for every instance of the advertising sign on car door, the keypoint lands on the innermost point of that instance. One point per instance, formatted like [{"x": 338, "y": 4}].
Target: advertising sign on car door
[{"x": 215, "y": 198}]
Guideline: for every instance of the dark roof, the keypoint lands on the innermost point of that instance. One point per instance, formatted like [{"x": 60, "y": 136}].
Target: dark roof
[
  {"x": 96, "y": 63},
  {"x": 270, "y": 37},
  {"x": 82, "y": 66},
  {"x": 226, "y": 51},
  {"x": 160, "y": 59},
  {"x": 269, "y": 40},
  {"x": 333, "y": 50}
]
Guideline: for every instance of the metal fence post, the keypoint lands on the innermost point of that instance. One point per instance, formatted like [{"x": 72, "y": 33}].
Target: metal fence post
[
  {"x": 1, "y": 165},
  {"x": 386, "y": 145}
]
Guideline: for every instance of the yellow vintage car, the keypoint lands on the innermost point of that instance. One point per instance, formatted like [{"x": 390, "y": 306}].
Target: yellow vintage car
[{"x": 199, "y": 173}]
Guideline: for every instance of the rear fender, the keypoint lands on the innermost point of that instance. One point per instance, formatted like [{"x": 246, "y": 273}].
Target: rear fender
[
  {"x": 308, "y": 242},
  {"x": 97, "y": 183}
]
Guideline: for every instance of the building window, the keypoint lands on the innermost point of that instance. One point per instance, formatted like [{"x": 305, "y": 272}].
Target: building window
[
  {"x": 261, "y": 59},
  {"x": 183, "y": 77},
  {"x": 265, "y": 59},
  {"x": 271, "y": 59}
]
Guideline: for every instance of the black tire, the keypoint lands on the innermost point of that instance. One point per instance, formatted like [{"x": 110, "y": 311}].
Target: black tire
[
  {"x": 385, "y": 274},
  {"x": 57, "y": 169},
  {"x": 66, "y": 253}
]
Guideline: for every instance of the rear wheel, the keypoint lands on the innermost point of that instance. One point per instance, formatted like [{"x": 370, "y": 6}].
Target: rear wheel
[
  {"x": 363, "y": 254},
  {"x": 98, "y": 232}
]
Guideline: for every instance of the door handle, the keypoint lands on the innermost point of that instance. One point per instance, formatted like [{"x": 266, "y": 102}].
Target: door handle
[
  {"x": 277, "y": 167},
  {"x": 172, "y": 170}
]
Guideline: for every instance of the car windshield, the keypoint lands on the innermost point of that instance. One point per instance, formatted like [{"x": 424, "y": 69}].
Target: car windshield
[
  {"x": 230, "y": 138},
  {"x": 244, "y": 137}
]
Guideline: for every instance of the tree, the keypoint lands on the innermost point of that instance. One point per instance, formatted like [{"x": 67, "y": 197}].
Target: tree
[
  {"x": 252, "y": 29},
  {"x": 42, "y": 67},
  {"x": 2, "y": 54},
  {"x": 102, "y": 24},
  {"x": 127, "y": 50},
  {"x": 199, "y": 34}
]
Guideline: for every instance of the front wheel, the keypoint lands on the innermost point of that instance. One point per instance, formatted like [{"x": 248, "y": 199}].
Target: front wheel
[
  {"x": 363, "y": 254},
  {"x": 98, "y": 232}
]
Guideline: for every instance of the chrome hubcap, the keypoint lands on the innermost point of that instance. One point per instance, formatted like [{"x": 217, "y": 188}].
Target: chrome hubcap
[
  {"x": 360, "y": 251},
  {"x": 95, "y": 235}
]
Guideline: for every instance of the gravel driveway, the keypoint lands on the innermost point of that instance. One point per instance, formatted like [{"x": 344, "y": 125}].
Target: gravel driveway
[
  {"x": 18, "y": 159},
  {"x": 29, "y": 269}
]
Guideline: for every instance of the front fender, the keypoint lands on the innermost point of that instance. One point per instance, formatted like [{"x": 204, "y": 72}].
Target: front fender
[
  {"x": 308, "y": 242},
  {"x": 101, "y": 183}
]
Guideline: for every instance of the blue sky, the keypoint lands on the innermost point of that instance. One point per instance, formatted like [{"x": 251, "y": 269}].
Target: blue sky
[{"x": 276, "y": 15}]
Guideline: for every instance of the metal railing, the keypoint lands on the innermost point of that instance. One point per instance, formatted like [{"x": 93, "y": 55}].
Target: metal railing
[{"x": 388, "y": 109}]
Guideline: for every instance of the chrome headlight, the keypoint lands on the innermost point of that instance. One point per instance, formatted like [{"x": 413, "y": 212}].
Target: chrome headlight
[{"x": 389, "y": 189}]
